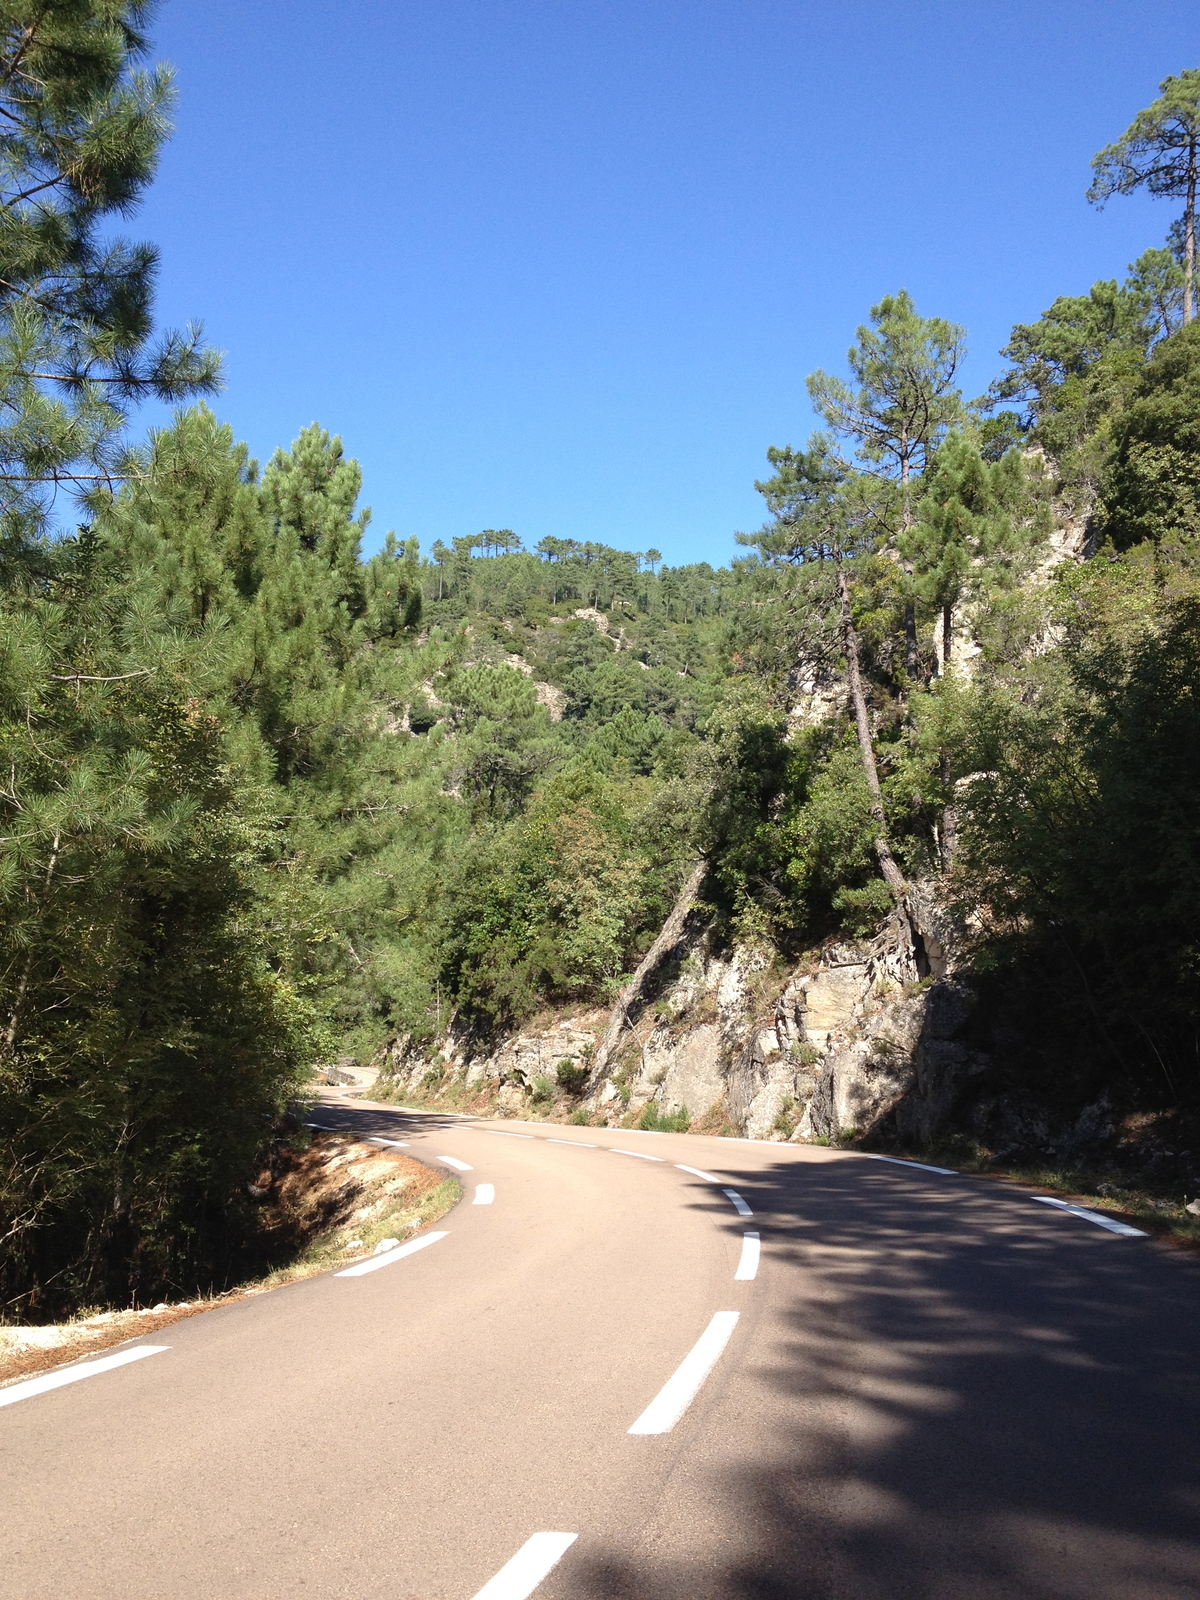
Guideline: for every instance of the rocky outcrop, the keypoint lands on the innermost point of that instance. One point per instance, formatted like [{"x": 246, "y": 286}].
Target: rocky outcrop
[
  {"x": 510, "y": 1072},
  {"x": 865, "y": 1036},
  {"x": 868, "y": 1035}
]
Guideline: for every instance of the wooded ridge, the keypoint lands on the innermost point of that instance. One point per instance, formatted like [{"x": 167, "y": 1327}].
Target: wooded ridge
[{"x": 265, "y": 801}]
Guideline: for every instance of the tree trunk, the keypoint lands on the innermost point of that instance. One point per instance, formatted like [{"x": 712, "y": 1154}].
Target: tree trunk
[
  {"x": 671, "y": 929},
  {"x": 947, "y": 636},
  {"x": 1189, "y": 241},
  {"x": 912, "y": 651},
  {"x": 887, "y": 862},
  {"x": 948, "y": 842}
]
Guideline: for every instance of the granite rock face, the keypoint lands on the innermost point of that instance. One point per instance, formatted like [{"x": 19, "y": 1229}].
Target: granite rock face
[
  {"x": 865, "y": 1035},
  {"x": 510, "y": 1069}
]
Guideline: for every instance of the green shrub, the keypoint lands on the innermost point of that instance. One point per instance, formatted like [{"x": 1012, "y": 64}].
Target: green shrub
[
  {"x": 785, "y": 1122},
  {"x": 572, "y": 1076},
  {"x": 652, "y": 1120}
]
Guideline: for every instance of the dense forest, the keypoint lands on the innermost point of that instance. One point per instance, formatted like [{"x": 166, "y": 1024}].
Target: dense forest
[{"x": 266, "y": 799}]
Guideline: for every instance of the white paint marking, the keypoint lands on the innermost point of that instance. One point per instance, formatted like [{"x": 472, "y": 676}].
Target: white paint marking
[
  {"x": 1101, "y": 1221},
  {"x": 579, "y": 1144},
  {"x": 501, "y": 1134},
  {"x": 390, "y": 1144},
  {"x": 637, "y": 1154},
  {"x": 520, "y": 1576},
  {"x": 677, "y": 1394},
  {"x": 88, "y": 1369},
  {"x": 748, "y": 1266},
  {"x": 485, "y": 1193},
  {"x": 921, "y": 1166},
  {"x": 374, "y": 1264},
  {"x": 696, "y": 1173},
  {"x": 321, "y": 1127},
  {"x": 739, "y": 1205},
  {"x": 453, "y": 1161}
]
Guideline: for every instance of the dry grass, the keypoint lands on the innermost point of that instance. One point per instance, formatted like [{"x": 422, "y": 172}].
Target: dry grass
[{"x": 715, "y": 1123}]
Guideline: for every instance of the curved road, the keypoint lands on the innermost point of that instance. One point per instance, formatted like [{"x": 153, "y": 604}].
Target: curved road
[{"x": 926, "y": 1386}]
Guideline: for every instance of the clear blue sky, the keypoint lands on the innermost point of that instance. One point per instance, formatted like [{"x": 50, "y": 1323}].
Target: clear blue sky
[{"x": 562, "y": 265}]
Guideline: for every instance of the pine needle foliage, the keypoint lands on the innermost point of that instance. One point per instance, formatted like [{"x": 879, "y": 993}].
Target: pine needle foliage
[{"x": 81, "y": 125}]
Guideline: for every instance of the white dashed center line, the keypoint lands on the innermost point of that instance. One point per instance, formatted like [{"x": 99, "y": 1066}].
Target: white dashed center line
[
  {"x": 696, "y": 1173},
  {"x": 748, "y": 1266},
  {"x": 87, "y": 1369},
  {"x": 739, "y": 1205},
  {"x": 386, "y": 1259},
  {"x": 637, "y": 1155},
  {"x": 502, "y": 1134},
  {"x": 388, "y": 1144},
  {"x": 677, "y": 1394},
  {"x": 520, "y": 1576},
  {"x": 459, "y": 1166},
  {"x": 485, "y": 1193},
  {"x": 576, "y": 1144}
]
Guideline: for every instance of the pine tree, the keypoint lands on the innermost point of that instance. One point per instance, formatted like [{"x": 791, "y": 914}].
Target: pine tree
[
  {"x": 1158, "y": 152},
  {"x": 193, "y": 517},
  {"x": 310, "y": 491},
  {"x": 392, "y": 592},
  {"x": 967, "y": 530},
  {"x": 80, "y": 132},
  {"x": 822, "y": 515},
  {"x": 149, "y": 1025},
  {"x": 902, "y": 402}
]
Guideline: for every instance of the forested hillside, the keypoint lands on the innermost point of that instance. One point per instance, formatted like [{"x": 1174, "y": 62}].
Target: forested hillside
[{"x": 267, "y": 799}]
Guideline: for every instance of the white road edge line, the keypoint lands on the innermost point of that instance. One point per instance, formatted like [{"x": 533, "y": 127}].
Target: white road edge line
[
  {"x": 88, "y": 1369},
  {"x": 739, "y": 1205},
  {"x": 696, "y": 1173},
  {"x": 677, "y": 1394},
  {"x": 921, "y": 1166},
  {"x": 1113, "y": 1226},
  {"x": 453, "y": 1161},
  {"x": 385, "y": 1260},
  {"x": 391, "y": 1144},
  {"x": 579, "y": 1144},
  {"x": 321, "y": 1127},
  {"x": 748, "y": 1266},
  {"x": 485, "y": 1193},
  {"x": 532, "y": 1562},
  {"x": 637, "y": 1154}
]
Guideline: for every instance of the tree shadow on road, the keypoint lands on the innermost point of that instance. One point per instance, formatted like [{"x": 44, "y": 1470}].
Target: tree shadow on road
[{"x": 965, "y": 1398}]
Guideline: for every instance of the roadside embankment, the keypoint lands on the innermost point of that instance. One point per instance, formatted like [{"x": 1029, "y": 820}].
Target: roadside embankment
[{"x": 333, "y": 1201}]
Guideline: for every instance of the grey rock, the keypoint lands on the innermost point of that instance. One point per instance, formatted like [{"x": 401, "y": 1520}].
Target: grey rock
[{"x": 947, "y": 1008}]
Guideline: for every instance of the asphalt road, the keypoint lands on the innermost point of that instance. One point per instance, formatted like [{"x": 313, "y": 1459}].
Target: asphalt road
[{"x": 933, "y": 1387}]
